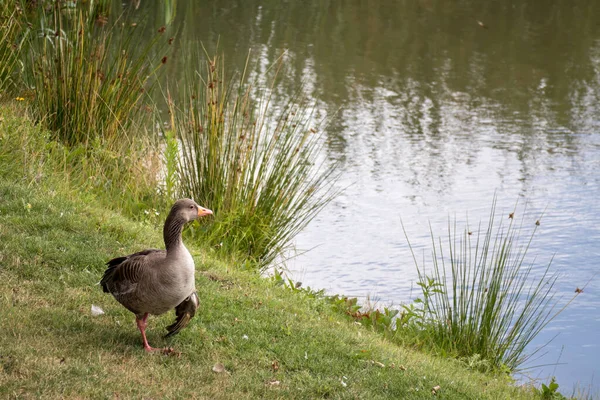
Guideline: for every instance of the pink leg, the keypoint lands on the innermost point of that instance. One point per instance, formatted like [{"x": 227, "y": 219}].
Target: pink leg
[{"x": 141, "y": 324}]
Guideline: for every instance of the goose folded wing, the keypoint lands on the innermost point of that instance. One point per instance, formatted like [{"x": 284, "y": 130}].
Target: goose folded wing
[{"x": 123, "y": 273}]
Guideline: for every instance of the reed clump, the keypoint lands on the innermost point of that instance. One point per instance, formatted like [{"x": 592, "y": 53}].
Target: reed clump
[
  {"x": 90, "y": 79},
  {"x": 255, "y": 167},
  {"x": 482, "y": 300},
  {"x": 12, "y": 37}
]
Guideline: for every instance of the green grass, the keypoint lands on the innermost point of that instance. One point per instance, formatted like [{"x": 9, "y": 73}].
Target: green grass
[
  {"x": 257, "y": 169},
  {"x": 54, "y": 241},
  {"x": 122, "y": 178}
]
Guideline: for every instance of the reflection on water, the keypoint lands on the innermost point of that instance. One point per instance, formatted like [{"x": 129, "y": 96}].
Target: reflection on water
[{"x": 441, "y": 105}]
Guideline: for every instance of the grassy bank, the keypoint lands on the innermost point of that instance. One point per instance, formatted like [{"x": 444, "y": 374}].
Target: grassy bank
[{"x": 273, "y": 343}]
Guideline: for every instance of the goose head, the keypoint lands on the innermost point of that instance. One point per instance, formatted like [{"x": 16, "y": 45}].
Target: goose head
[{"x": 188, "y": 210}]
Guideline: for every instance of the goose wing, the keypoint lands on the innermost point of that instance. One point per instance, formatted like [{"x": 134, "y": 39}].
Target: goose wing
[
  {"x": 123, "y": 274},
  {"x": 184, "y": 312}
]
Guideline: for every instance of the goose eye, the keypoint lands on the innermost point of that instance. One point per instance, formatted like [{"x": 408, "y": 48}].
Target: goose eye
[{"x": 192, "y": 207}]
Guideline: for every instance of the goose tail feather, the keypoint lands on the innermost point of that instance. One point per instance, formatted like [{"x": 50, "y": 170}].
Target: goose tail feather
[{"x": 184, "y": 312}]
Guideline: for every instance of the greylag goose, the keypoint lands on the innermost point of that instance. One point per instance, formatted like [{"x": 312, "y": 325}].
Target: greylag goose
[{"x": 155, "y": 281}]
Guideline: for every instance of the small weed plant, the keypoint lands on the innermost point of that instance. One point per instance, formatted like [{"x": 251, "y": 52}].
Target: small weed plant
[{"x": 550, "y": 391}]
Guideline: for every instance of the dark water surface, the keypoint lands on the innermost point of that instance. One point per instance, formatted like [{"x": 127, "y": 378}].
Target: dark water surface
[{"x": 441, "y": 105}]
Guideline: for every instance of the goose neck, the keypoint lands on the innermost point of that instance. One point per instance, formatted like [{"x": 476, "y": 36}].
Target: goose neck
[{"x": 172, "y": 232}]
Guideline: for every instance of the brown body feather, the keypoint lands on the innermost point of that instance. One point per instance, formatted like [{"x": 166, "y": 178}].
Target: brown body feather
[{"x": 123, "y": 275}]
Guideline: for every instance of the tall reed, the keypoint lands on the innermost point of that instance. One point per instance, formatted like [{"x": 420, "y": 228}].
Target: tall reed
[
  {"x": 13, "y": 31},
  {"x": 482, "y": 298},
  {"x": 89, "y": 76},
  {"x": 256, "y": 168}
]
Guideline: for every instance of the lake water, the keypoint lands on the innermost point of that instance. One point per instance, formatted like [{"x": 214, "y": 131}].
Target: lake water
[{"x": 435, "y": 106}]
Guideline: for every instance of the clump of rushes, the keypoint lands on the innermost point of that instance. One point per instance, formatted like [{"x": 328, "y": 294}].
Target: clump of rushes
[
  {"x": 482, "y": 298},
  {"x": 256, "y": 169},
  {"x": 12, "y": 34},
  {"x": 89, "y": 77}
]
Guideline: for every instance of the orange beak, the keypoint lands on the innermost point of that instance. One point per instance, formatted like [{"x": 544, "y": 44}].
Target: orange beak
[{"x": 203, "y": 211}]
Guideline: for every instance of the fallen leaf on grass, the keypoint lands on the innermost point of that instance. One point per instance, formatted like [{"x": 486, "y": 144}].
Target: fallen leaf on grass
[
  {"x": 275, "y": 365},
  {"x": 435, "y": 390},
  {"x": 379, "y": 364},
  {"x": 169, "y": 351},
  {"x": 273, "y": 382},
  {"x": 97, "y": 311}
]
